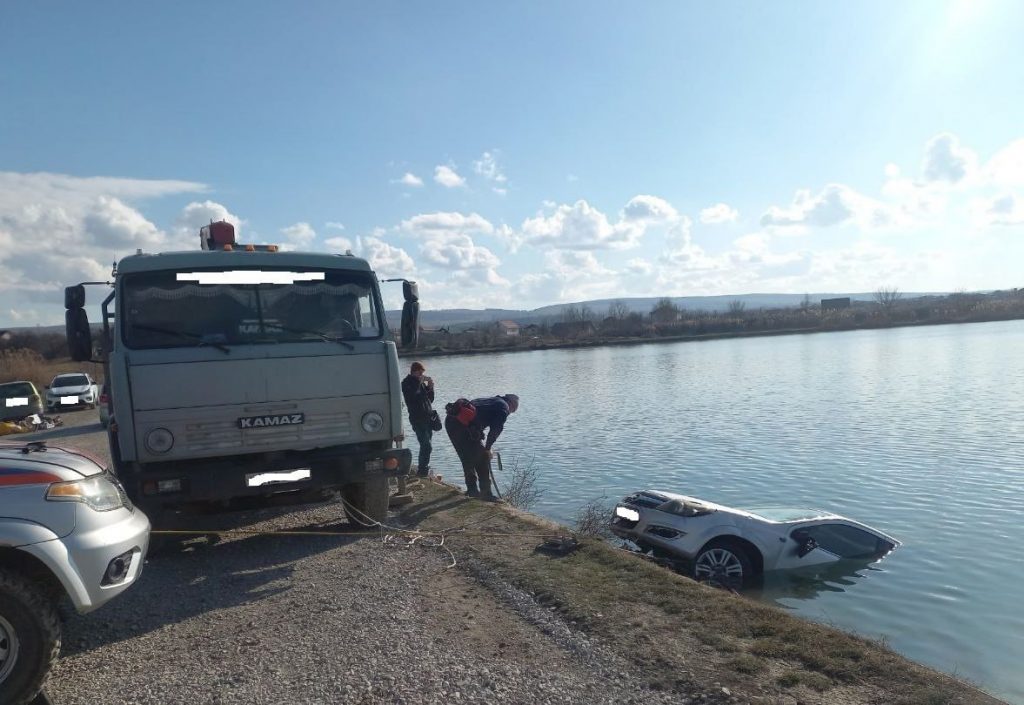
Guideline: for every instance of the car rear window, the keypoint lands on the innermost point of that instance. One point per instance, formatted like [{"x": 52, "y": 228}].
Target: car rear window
[{"x": 16, "y": 389}]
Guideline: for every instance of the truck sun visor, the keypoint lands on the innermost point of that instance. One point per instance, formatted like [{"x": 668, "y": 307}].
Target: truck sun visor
[{"x": 249, "y": 276}]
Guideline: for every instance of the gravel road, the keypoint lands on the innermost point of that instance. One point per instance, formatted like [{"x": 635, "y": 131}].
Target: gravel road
[{"x": 348, "y": 619}]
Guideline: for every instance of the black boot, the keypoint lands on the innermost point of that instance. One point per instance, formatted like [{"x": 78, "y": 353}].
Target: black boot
[{"x": 472, "y": 491}]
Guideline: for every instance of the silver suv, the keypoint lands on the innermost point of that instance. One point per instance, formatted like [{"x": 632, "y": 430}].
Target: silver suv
[{"x": 66, "y": 530}]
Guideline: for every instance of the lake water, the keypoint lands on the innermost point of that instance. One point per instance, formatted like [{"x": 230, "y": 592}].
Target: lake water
[{"x": 916, "y": 431}]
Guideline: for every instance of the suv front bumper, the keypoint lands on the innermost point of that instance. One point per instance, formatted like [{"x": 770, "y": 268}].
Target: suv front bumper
[{"x": 81, "y": 560}]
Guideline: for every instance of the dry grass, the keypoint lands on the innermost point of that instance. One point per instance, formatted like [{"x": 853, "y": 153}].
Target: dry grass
[
  {"x": 669, "y": 624},
  {"x": 21, "y": 364}
]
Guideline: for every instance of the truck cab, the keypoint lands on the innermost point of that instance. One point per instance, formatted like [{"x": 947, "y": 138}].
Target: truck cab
[{"x": 242, "y": 375}]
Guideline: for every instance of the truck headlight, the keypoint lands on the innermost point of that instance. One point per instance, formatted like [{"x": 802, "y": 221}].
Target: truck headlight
[
  {"x": 159, "y": 440},
  {"x": 372, "y": 422},
  {"x": 98, "y": 492}
]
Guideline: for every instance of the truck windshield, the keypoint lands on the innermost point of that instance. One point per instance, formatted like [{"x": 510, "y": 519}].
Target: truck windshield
[{"x": 179, "y": 309}]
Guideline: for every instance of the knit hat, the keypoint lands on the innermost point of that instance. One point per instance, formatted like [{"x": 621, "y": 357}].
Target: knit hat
[
  {"x": 417, "y": 366},
  {"x": 512, "y": 399}
]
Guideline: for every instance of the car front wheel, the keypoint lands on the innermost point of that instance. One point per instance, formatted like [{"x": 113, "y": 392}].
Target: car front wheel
[
  {"x": 723, "y": 563},
  {"x": 29, "y": 638}
]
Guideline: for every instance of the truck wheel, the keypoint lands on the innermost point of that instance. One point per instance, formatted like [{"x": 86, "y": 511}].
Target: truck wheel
[
  {"x": 29, "y": 638},
  {"x": 369, "y": 499}
]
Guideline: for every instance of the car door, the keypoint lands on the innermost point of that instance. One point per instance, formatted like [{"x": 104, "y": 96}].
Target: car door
[{"x": 831, "y": 542}]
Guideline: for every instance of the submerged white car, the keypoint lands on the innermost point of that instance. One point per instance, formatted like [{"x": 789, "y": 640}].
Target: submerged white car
[{"x": 730, "y": 546}]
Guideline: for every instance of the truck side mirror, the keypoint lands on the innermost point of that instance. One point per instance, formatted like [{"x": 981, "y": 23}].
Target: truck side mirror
[
  {"x": 410, "y": 324},
  {"x": 411, "y": 290},
  {"x": 74, "y": 296},
  {"x": 79, "y": 334}
]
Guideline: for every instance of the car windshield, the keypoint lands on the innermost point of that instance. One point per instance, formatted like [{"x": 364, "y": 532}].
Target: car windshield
[
  {"x": 70, "y": 381},
  {"x": 181, "y": 309},
  {"x": 16, "y": 389}
]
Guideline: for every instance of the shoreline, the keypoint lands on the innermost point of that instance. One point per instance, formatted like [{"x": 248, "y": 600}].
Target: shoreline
[
  {"x": 613, "y": 342},
  {"x": 681, "y": 635}
]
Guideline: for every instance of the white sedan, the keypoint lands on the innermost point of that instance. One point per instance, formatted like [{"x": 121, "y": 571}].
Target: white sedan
[
  {"x": 71, "y": 390},
  {"x": 730, "y": 546}
]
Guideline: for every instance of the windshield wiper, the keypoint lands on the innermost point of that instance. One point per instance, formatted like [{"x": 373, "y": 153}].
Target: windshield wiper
[
  {"x": 319, "y": 334},
  {"x": 182, "y": 334}
]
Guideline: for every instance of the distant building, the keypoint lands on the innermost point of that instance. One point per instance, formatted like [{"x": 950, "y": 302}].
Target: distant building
[
  {"x": 508, "y": 328},
  {"x": 5, "y": 335},
  {"x": 835, "y": 304}
]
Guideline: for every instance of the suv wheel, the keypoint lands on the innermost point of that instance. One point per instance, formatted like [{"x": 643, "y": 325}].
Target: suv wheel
[
  {"x": 29, "y": 638},
  {"x": 367, "y": 502}
]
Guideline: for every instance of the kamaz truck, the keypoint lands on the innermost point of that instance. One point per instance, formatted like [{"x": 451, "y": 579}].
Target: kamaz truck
[{"x": 244, "y": 375}]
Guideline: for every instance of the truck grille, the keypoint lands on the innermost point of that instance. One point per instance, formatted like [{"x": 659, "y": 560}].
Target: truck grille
[{"x": 226, "y": 435}]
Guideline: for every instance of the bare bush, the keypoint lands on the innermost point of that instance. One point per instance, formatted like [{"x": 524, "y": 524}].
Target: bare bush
[
  {"x": 886, "y": 297},
  {"x": 520, "y": 491},
  {"x": 21, "y": 364},
  {"x": 592, "y": 518}
]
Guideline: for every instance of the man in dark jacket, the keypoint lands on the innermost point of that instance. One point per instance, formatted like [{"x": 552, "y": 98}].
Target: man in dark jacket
[
  {"x": 474, "y": 451},
  {"x": 418, "y": 390}
]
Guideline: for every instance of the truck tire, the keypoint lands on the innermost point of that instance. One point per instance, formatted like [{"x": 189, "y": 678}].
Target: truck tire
[
  {"x": 29, "y": 638},
  {"x": 370, "y": 500}
]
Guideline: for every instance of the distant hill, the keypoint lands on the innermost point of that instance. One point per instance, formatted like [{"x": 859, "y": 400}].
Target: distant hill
[{"x": 462, "y": 317}]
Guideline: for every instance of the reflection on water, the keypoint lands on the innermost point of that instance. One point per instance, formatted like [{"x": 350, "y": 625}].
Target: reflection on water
[
  {"x": 914, "y": 431},
  {"x": 783, "y": 586}
]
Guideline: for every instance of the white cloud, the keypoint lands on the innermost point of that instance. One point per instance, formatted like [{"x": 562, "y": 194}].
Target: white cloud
[
  {"x": 334, "y": 225},
  {"x": 718, "y": 213},
  {"x": 1006, "y": 167},
  {"x": 650, "y": 209},
  {"x": 447, "y": 222},
  {"x": 580, "y": 226},
  {"x": 386, "y": 260},
  {"x": 457, "y": 251},
  {"x": 1003, "y": 209},
  {"x": 56, "y": 230},
  {"x": 836, "y": 204},
  {"x": 299, "y": 236},
  {"x": 946, "y": 160},
  {"x": 448, "y": 177},
  {"x": 338, "y": 244},
  {"x": 409, "y": 179},
  {"x": 487, "y": 167}
]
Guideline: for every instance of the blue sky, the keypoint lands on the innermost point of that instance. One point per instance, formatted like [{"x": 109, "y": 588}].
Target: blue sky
[{"x": 555, "y": 152}]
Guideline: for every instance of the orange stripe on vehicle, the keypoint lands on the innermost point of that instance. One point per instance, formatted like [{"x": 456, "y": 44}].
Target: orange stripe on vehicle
[{"x": 8, "y": 478}]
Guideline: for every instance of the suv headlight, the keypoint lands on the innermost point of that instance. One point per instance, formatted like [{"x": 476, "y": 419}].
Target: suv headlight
[
  {"x": 97, "y": 492},
  {"x": 159, "y": 440},
  {"x": 372, "y": 422}
]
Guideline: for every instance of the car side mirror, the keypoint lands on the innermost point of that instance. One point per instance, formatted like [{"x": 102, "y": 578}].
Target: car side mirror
[{"x": 79, "y": 334}]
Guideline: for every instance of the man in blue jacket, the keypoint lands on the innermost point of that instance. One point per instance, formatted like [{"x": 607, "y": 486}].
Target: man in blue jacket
[{"x": 473, "y": 450}]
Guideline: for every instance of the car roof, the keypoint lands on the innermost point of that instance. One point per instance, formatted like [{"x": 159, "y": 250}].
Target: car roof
[
  {"x": 788, "y": 515},
  {"x": 774, "y": 515},
  {"x": 17, "y": 381}
]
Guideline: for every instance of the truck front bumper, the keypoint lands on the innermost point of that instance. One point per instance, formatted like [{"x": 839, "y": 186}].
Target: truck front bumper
[{"x": 221, "y": 479}]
